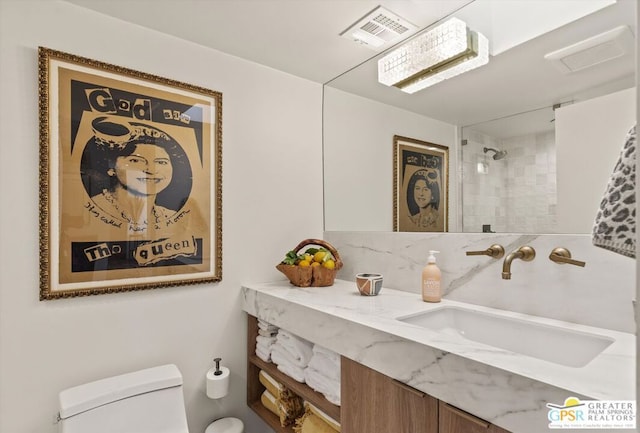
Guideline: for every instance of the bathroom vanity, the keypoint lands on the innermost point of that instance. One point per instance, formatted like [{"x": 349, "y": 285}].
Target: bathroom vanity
[
  {"x": 397, "y": 407},
  {"x": 402, "y": 363}
]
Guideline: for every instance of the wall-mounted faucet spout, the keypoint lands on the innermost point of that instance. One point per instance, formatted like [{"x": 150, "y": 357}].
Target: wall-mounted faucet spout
[{"x": 525, "y": 253}]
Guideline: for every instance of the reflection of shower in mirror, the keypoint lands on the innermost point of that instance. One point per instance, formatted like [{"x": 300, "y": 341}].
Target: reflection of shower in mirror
[{"x": 498, "y": 154}]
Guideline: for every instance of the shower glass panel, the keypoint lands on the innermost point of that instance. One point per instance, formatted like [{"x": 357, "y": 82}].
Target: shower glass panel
[{"x": 509, "y": 174}]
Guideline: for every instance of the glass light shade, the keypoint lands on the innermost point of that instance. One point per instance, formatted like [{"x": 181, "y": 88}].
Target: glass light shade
[{"x": 443, "y": 52}]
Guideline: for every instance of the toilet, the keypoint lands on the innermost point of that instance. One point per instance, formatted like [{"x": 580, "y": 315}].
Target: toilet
[{"x": 145, "y": 401}]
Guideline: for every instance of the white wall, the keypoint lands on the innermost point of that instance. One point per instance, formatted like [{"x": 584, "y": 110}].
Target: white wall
[
  {"x": 358, "y": 160},
  {"x": 271, "y": 134},
  {"x": 589, "y": 138}
]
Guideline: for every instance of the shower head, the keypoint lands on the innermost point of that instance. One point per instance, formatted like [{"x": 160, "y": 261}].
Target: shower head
[{"x": 498, "y": 154}]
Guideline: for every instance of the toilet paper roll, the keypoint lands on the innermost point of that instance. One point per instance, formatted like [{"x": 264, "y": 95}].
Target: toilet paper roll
[{"x": 217, "y": 386}]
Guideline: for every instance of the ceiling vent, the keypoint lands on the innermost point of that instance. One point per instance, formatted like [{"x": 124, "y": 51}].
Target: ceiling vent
[
  {"x": 379, "y": 29},
  {"x": 593, "y": 51}
]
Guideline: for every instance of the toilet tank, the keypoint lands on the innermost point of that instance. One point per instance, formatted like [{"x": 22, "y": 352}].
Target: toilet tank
[{"x": 145, "y": 401}]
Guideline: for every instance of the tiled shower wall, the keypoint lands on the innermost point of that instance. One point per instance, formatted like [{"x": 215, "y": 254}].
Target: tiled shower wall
[{"x": 527, "y": 202}]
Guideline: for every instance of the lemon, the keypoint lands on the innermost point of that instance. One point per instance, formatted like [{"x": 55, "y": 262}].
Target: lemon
[
  {"x": 319, "y": 256},
  {"x": 304, "y": 263},
  {"x": 329, "y": 264},
  {"x": 315, "y": 264}
]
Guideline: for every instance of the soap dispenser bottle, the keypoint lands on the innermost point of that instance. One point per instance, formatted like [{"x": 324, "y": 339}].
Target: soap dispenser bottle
[{"x": 431, "y": 280}]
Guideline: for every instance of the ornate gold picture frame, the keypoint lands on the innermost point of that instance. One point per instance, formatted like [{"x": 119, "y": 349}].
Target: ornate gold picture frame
[
  {"x": 130, "y": 179},
  {"x": 420, "y": 186}
]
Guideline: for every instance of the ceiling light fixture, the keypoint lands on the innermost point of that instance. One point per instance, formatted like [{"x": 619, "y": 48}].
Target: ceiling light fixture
[{"x": 443, "y": 52}]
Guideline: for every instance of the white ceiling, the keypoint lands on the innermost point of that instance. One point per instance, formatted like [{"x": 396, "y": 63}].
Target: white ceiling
[
  {"x": 301, "y": 37},
  {"x": 515, "y": 81}
]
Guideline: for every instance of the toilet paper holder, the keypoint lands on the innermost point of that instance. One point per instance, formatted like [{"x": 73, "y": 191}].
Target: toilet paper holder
[
  {"x": 217, "y": 380},
  {"x": 218, "y": 372}
]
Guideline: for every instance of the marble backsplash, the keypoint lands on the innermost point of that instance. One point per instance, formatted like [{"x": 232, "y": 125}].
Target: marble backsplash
[{"x": 600, "y": 294}]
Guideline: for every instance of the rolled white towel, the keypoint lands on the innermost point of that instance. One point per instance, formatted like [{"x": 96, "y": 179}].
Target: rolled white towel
[
  {"x": 300, "y": 349},
  {"x": 283, "y": 361},
  {"x": 283, "y": 357},
  {"x": 263, "y": 348},
  {"x": 293, "y": 372},
  {"x": 292, "y": 359},
  {"x": 326, "y": 366},
  {"x": 263, "y": 354},
  {"x": 333, "y": 399},
  {"x": 328, "y": 387},
  {"x": 330, "y": 354},
  {"x": 266, "y": 326},
  {"x": 264, "y": 333},
  {"x": 265, "y": 342}
]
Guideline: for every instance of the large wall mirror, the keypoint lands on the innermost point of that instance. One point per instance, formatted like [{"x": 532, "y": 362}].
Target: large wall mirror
[{"x": 532, "y": 142}]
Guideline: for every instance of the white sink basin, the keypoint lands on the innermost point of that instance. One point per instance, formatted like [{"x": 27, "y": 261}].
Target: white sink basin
[{"x": 555, "y": 344}]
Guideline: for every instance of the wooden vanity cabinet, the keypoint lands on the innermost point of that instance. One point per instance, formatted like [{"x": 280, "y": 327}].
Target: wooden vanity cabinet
[
  {"x": 371, "y": 402},
  {"x": 375, "y": 403}
]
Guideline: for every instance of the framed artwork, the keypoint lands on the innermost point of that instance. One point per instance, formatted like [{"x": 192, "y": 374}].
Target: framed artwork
[
  {"x": 420, "y": 186},
  {"x": 130, "y": 179}
]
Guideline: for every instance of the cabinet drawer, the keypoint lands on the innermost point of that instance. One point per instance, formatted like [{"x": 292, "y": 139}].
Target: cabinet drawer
[
  {"x": 454, "y": 420},
  {"x": 375, "y": 403}
]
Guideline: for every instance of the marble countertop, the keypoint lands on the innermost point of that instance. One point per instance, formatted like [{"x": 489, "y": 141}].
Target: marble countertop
[{"x": 366, "y": 329}]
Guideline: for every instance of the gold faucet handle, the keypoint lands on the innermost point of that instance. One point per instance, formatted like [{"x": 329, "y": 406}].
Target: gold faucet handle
[
  {"x": 526, "y": 253},
  {"x": 562, "y": 255},
  {"x": 496, "y": 251}
]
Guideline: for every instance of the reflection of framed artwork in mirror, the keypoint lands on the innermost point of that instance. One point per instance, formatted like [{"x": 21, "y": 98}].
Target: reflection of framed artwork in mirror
[
  {"x": 420, "y": 186},
  {"x": 130, "y": 179}
]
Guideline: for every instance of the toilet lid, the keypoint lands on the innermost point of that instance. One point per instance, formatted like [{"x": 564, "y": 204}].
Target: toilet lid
[{"x": 226, "y": 425}]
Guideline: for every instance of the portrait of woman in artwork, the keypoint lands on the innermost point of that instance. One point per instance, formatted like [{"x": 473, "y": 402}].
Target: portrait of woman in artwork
[
  {"x": 420, "y": 188},
  {"x": 135, "y": 173},
  {"x": 423, "y": 199}
]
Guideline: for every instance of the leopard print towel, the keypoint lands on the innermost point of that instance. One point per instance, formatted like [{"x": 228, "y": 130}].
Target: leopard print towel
[{"x": 615, "y": 224}]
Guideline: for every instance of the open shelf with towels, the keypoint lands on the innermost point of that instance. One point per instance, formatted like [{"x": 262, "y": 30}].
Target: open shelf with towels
[{"x": 255, "y": 388}]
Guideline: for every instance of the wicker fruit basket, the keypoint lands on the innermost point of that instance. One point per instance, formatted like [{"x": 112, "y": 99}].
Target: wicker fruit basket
[{"x": 312, "y": 276}]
